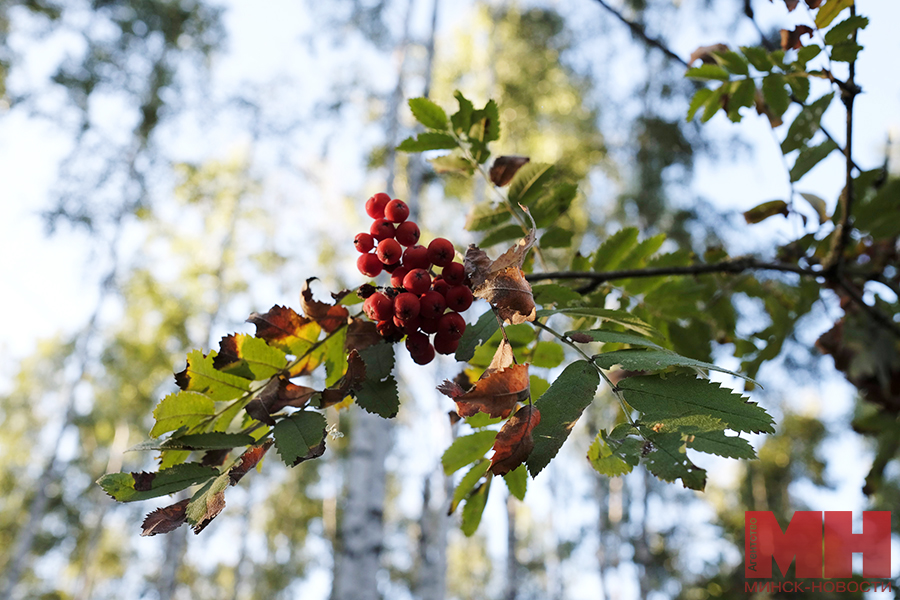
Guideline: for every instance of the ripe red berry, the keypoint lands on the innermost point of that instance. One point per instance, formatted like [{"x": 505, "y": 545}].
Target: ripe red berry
[
  {"x": 459, "y": 298},
  {"x": 432, "y": 305},
  {"x": 440, "y": 286},
  {"x": 417, "y": 281},
  {"x": 454, "y": 273},
  {"x": 389, "y": 251},
  {"x": 375, "y": 205},
  {"x": 406, "y": 306},
  {"x": 425, "y": 356},
  {"x": 364, "y": 242},
  {"x": 408, "y": 233},
  {"x": 392, "y": 267},
  {"x": 397, "y": 276},
  {"x": 440, "y": 252},
  {"x": 416, "y": 257},
  {"x": 444, "y": 344},
  {"x": 410, "y": 326},
  {"x": 378, "y": 307},
  {"x": 451, "y": 325},
  {"x": 389, "y": 331},
  {"x": 382, "y": 230},
  {"x": 396, "y": 211},
  {"x": 419, "y": 348},
  {"x": 428, "y": 325},
  {"x": 369, "y": 265}
]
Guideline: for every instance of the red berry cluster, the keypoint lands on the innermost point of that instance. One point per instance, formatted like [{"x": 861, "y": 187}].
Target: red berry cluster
[{"x": 417, "y": 301}]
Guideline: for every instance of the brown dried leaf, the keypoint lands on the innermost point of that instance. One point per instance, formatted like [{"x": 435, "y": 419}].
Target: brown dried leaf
[
  {"x": 790, "y": 40},
  {"x": 503, "y": 358},
  {"x": 496, "y": 394},
  {"x": 278, "y": 394},
  {"x": 505, "y": 167},
  {"x": 281, "y": 326},
  {"x": 329, "y": 317},
  {"x": 361, "y": 334},
  {"x": 705, "y": 53},
  {"x": 792, "y": 4},
  {"x": 510, "y": 293},
  {"x": 514, "y": 442},
  {"x": 214, "y": 505},
  {"x": 249, "y": 459},
  {"x": 165, "y": 519},
  {"x": 351, "y": 381}
]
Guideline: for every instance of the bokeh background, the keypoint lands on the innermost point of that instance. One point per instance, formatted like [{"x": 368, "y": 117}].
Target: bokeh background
[{"x": 168, "y": 167}]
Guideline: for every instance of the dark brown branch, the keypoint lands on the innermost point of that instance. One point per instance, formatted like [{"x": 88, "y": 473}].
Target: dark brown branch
[
  {"x": 872, "y": 311},
  {"x": 638, "y": 31},
  {"x": 848, "y": 94}
]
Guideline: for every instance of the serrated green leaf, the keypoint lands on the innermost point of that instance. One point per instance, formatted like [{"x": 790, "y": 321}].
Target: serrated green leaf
[
  {"x": 810, "y": 157},
  {"x": 479, "y": 420},
  {"x": 620, "y": 432},
  {"x": 547, "y": 355},
  {"x": 491, "y": 114},
  {"x": 378, "y": 393},
  {"x": 517, "y": 482},
  {"x": 714, "y": 103},
  {"x": 537, "y": 385},
  {"x": 428, "y": 113},
  {"x": 298, "y": 435},
  {"x": 556, "y": 237},
  {"x": 615, "y": 337},
  {"x": 878, "y": 216},
  {"x": 669, "y": 461},
  {"x": 655, "y": 360},
  {"x": 452, "y": 163},
  {"x": 553, "y": 293},
  {"x": 721, "y": 444},
  {"x": 619, "y": 317},
  {"x": 197, "y": 441},
  {"x": 502, "y": 234},
  {"x": 604, "y": 461},
  {"x": 474, "y": 508},
  {"x": 644, "y": 285},
  {"x": 528, "y": 183},
  {"x": 638, "y": 255},
  {"x": 462, "y": 118},
  {"x": 732, "y": 62},
  {"x": 467, "y": 449},
  {"x": 486, "y": 216},
  {"x": 182, "y": 409},
  {"x": 203, "y": 505},
  {"x": 555, "y": 202},
  {"x": 845, "y": 51},
  {"x": 561, "y": 406},
  {"x": 775, "y": 94},
  {"x": 758, "y": 57},
  {"x": 806, "y": 54},
  {"x": 429, "y": 140},
  {"x": 799, "y": 85},
  {"x": 201, "y": 376},
  {"x": 614, "y": 249},
  {"x": 743, "y": 95},
  {"x": 806, "y": 124},
  {"x": 707, "y": 72},
  {"x": 684, "y": 395},
  {"x": 128, "y": 487},
  {"x": 475, "y": 334},
  {"x": 829, "y": 10},
  {"x": 249, "y": 357},
  {"x": 468, "y": 481},
  {"x": 845, "y": 29},
  {"x": 699, "y": 100}
]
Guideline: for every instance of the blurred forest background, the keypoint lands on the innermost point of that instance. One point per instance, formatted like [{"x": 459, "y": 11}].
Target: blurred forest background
[{"x": 192, "y": 161}]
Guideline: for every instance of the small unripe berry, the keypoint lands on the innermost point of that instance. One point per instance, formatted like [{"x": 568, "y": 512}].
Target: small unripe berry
[
  {"x": 369, "y": 265},
  {"x": 375, "y": 205},
  {"x": 454, "y": 273},
  {"x": 397, "y": 276},
  {"x": 444, "y": 344},
  {"x": 459, "y": 298},
  {"x": 440, "y": 252},
  {"x": 382, "y": 230},
  {"x": 417, "y": 281},
  {"x": 396, "y": 211},
  {"x": 451, "y": 325},
  {"x": 408, "y": 233},
  {"x": 432, "y": 305},
  {"x": 378, "y": 307},
  {"x": 364, "y": 242},
  {"x": 416, "y": 257},
  {"x": 406, "y": 306},
  {"x": 389, "y": 251}
]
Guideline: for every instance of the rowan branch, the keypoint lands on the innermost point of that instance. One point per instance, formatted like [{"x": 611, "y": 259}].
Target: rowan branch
[
  {"x": 848, "y": 94},
  {"x": 638, "y": 31}
]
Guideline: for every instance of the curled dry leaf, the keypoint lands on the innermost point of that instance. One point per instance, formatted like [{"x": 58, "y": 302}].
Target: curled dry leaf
[
  {"x": 277, "y": 394},
  {"x": 361, "y": 334},
  {"x": 496, "y": 393},
  {"x": 505, "y": 167},
  {"x": 351, "y": 381},
  {"x": 214, "y": 505},
  {"x": 165, "y": 519},
  {"x": 514, "y": 442},
  {"x": 249, "y": 459},
  {"x": 329, "y": 317},
  {"x": 790, "y": 40},
  {"x": 705, "y": 53}
]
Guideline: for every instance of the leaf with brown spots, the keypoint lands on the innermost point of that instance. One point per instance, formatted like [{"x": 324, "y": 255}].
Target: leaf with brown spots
[
  {"x": 514, "y": 442},
  {"x": 277, "y": 394},
  {"x": 505, "y": 167},
  {"x": 283, "y": 328},
  {"x": 351, "y": 381},
  {"x": 249, "y": 459},
  {"x": 164, "y": 519},
  {"x": 329, "y": 317},
  {"x": 361, "y": 334},
  {"x": 790, "y": 40}
]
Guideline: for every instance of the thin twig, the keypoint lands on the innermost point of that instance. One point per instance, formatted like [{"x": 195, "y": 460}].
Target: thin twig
[
  {"x": 848, "y": 94},
  {"x": 873, "y": 311},
  {"x": 638, "y": 31}
]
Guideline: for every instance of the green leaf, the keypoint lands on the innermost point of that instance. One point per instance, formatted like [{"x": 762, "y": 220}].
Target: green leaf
[
  {"x": 547, "y": 209},
  {"x": 878, "y": 216},
  {"x": 605, "y": 461},
  {"x": 714, "y": 103},
  {"x": 452, "y": 163},
  {"x": 806, "y": 54},
  {"x": 775, "y": 94},
  {"x": 553, "y": 293},
  {"x": 547, "y": 355},
  {"x": 486, "y": 216},
  {"x": 613, "y": 250},
  {"x": 701, "y": 97},
  {"x": 475, "y": 334},
  {"x": 743, "y": 95},
  {"x": 378, "y": 393},
  {"x": 707, "y": 72},
  {"x": 615, "y": 337},
  {"x": 468, "y": 481},
  {"x": 197, "y": 441},
  {"x": 528, "y": 183},
  {"x": 556, "y": 237},
  {"x": 334, "y": 355},
  {"x": 763, "y": 211},
  {"x": 721, "y": 444},
  {"x": 201, "y": 376},
  {"x": 249, "y": 357},
  {"x": 474, "y": 508},
  {"x": 829, "y": 10},
  {"x": 684, "y": 395},
  {"x": 182, "y": 409},
  {"x": 732, "y": 62},
  {"x": 640, "y": 253},
  {"x": 844, "y": 30},
  {"x": 491, "y": 114},
  {"x": 428, "y": 140},
  {"x": 298, "y": 436},
  {"x": 669, "y": 462},
  {"x": 758, "y": 57},
  {"x": 517, "y": 481},
  {"x": 204, "y": 504},
  {"x": 655, "y": 360},
  {"x": 128, "y": 487},
  {"x": 502, "y": 234},
  {"x": 810, "y": 157},
  {"x": 538, "y": 386},
  {"x": 560, "y": 407},
  {"x": 481, "y": 420},
  {"x": 806, "y": 124},
  {"x": 462, "y": 118},
  {"x": 619, "y": 317},
  {"x": 467, "y": 449},
  {"x": 428, "y": 113},
  {"x": 799, "y": 86},
  {"x": 845, "y": 51}
]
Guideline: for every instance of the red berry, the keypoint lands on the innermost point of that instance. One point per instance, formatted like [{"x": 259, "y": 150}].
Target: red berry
[
  {"x": 369, "y": 265},
  {"x": 428, "y": 325},
  {"x": 440, "y": 286},
  {"x": 396, "y": 211},
  {"x": 378, "y": 307},
  {"x": 382, "y": 230},
  {"x": 424, "y": 357},
  {"x": 432, "y": 305},
  {"x": 375, "y": 205},
  {"x": 392, "y": 267},
  {"x": 459, "y": 298},
  {"x": 451, "y": 325},
  {"x": 389, "y": 331},
  {"x": 454, "y": 273},
  {"x": 417, "y": 281},
  {"x": 416, "y": 257},
  {"x": 406, "y": 306},
  {"x": 408, "y": 233},
  {"x": 364, "y": 242},
  {"x": 419, "y": 348},
  {"x": 444, "y": 344},
  {"x": 397, "y": 276},
  {"x": 410, "y": 326},
  {"x": 440, "y": 252},
  {"x": 389, "y": 251}
]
